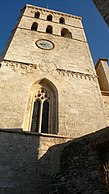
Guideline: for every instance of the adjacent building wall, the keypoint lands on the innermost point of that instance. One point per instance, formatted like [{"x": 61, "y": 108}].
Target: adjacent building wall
[
  {"x": 102, "y": 70},
  {"x": 105, "y": 96},
  {"x": 103, "y": 7},
  {"x": 83, "y": 166}
]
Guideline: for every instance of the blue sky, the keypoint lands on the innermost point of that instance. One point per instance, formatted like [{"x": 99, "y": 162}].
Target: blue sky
[{"x": 96, "y": 30}]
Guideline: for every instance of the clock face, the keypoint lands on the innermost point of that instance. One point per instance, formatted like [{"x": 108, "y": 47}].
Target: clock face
[{"x": 45, "y": 44}]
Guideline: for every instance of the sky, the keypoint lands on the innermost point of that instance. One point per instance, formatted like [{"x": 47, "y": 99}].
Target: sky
[{"x": 97, "y": 32}]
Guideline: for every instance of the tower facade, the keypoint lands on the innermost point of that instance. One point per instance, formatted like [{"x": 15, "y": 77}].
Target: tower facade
[
  {"x": 49, "y": 95},
  {"x": 47, "y": 72}
]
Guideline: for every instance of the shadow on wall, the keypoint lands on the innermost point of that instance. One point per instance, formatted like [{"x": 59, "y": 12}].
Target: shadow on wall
[
  {"x": 84, "y": 166},
  {"x": 24, "y": 168},
  {"x": 18, "y": 162},
  {"x": 76, "y": 167}
]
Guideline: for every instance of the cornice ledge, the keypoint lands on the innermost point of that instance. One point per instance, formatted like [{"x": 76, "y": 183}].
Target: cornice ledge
[
  {"x": 53, "y": 11},
  {"x": 19, "y": 65},
  {"x": 77, "y": 74}
]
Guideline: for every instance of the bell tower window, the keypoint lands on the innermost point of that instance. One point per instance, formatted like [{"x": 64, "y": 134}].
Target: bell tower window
[
  {"x": 49, "y": 17},
  {"x": 34, "y": 26},
  {"x": 62, "y": 20},
  {"x": 37, "y": 14},
  {"x": 66, "y": 33},
  {"x": 49, "y": 29}
]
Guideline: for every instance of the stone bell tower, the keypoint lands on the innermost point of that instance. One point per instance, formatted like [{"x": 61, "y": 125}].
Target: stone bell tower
[
  {"x": 48, "y": 80},
  {"x": 49, "y": 95}
]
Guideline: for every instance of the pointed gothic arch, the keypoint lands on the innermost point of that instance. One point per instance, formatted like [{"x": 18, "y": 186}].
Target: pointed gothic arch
[{"x": 42, "y": 108}]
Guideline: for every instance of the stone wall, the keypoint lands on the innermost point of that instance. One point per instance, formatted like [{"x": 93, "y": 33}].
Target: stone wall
[
  {"x": 37, "y": 163},
  {"x": 106, "y": 105},
  {"x": 102, "y": 70},
  {"x": 80, "y": 107},
  {"x": 27, "y": 162},
  {"x": 68, "y": 66},
  {"x": 82, "y": 166},
  {"x": 103, "y": 7}
]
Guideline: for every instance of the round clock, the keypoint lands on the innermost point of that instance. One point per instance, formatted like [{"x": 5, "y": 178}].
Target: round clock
[{"x": 45, "y": 44}]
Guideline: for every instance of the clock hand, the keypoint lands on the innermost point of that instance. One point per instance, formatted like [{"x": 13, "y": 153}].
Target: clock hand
[{"x": 43, "y": 44}]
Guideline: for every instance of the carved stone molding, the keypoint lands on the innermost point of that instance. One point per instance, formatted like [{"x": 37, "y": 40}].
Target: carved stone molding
[
  {"x": 17, "y": 66},
  {"x": 77, "y": 74},
  {"x": 45, "y": 66}
]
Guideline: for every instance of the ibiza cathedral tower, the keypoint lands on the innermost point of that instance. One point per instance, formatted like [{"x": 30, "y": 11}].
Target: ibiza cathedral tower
[
  {"x": 49, "y": 84},
  {"x": 49, "y": 88}
]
